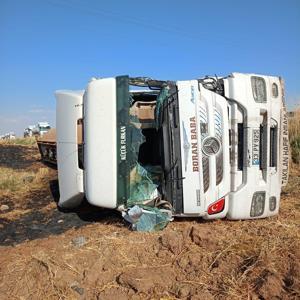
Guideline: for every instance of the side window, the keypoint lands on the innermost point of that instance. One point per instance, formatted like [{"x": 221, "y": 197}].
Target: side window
[
  {"x": 259, "y": 89},
  {"x": 274, "y": 90}
]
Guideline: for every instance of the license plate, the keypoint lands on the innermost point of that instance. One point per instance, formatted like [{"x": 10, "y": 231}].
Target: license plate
[{"x": 255, "y": 146}]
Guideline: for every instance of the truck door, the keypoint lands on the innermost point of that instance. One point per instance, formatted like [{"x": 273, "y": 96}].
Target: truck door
[{"x": 106, "y": 141}]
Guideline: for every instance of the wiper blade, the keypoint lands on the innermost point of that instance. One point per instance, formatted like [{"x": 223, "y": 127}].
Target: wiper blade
[
  {"x": 168, "y": 97},
  {"x": 176, "y": 179},
  {"x": 173, "y": 166},
  {"x": 165, "y": 105}
]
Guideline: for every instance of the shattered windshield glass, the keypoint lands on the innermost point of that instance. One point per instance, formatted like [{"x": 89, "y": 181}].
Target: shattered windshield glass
[{"x": 144, "y": 162}]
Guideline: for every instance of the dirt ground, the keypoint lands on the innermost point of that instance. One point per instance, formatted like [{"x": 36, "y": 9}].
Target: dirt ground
[{"x": 89, "y": 253}]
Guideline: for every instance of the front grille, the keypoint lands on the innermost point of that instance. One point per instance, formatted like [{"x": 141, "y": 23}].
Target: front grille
[
  {"x": 273, "y": 147},
  {"x": 219, "y": 136},
  {"x": 240, "y": 146},
  {"x": 205, "y": 165},
  {"x": 204, "y": 133},
  {"x": 218, "y": 125},
  {"x": 219, "y": 169}
]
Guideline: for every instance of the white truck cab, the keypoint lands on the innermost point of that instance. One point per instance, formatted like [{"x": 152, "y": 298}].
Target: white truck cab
[
  {"x": 38, "y": 130},
  {"x": 43, "y": 127},
  {"x": 259, "y": 148},
  {"x": 220, "y": 144}
]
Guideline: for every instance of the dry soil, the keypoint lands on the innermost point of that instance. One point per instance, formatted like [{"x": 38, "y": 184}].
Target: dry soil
[{"x": 89, "y": 253}]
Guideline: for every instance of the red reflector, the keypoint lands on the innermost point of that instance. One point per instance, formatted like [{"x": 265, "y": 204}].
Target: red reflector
[{"x": 216, "y": 207}]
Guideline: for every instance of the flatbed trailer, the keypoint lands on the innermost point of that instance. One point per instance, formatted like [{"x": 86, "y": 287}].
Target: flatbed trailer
[{"x": 47, "y": 146}]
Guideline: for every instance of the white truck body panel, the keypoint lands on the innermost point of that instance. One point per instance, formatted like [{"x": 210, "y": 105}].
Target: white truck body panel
[
  {"x": 253, "y": 178},
  {"x": 199, "y": 106},
  {"x": 191, "y": 154},
  {"x": 100, "y": 153},
  {"x": 68, "y": 112}
]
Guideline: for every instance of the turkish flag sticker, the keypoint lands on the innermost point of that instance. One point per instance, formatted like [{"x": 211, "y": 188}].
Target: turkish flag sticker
[{"x": 216, "y": 207}]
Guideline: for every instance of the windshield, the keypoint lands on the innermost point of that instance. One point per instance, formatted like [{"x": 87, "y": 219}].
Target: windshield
[{"x": 149, "y": 157}]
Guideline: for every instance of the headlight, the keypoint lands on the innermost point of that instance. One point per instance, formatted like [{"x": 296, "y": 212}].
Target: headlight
[
  {"x": 259, "y": 89},
  {"x": 272, "y": 203},
  {"x": 258, "y": 204},
  {"x": 274, "y": 90}
]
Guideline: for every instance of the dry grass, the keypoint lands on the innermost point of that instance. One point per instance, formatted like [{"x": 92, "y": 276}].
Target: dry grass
[
  {"x": 29, "y": 141},
  {"x": 20, "y": 181},
  {"x": 294, "y": 136},
  {"x": 20, "y": 173}
]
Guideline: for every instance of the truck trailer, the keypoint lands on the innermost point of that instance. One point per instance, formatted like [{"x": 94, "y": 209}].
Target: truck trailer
[{"x": 212, "y": 147}]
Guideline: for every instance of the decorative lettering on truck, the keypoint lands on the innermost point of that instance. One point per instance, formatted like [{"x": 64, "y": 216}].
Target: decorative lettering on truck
[
  {"x": 194, "y": 142},
  {"x": 285, "y": 149},
  {"x": 123, "y": 150}
]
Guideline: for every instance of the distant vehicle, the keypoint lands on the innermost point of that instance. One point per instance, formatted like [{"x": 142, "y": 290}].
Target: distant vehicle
[
  {"x": 8, "y": 136},
  {"x": 37, "y": 130},
  {"x": 43, "y": 127},
  {"x": 28, "y": 131}
]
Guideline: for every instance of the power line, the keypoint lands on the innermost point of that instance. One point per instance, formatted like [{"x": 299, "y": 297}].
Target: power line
[{"x": 126, "y": 19}]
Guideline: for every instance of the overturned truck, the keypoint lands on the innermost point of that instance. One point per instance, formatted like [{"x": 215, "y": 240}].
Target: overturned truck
[{"x": 213, "y": 147}]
